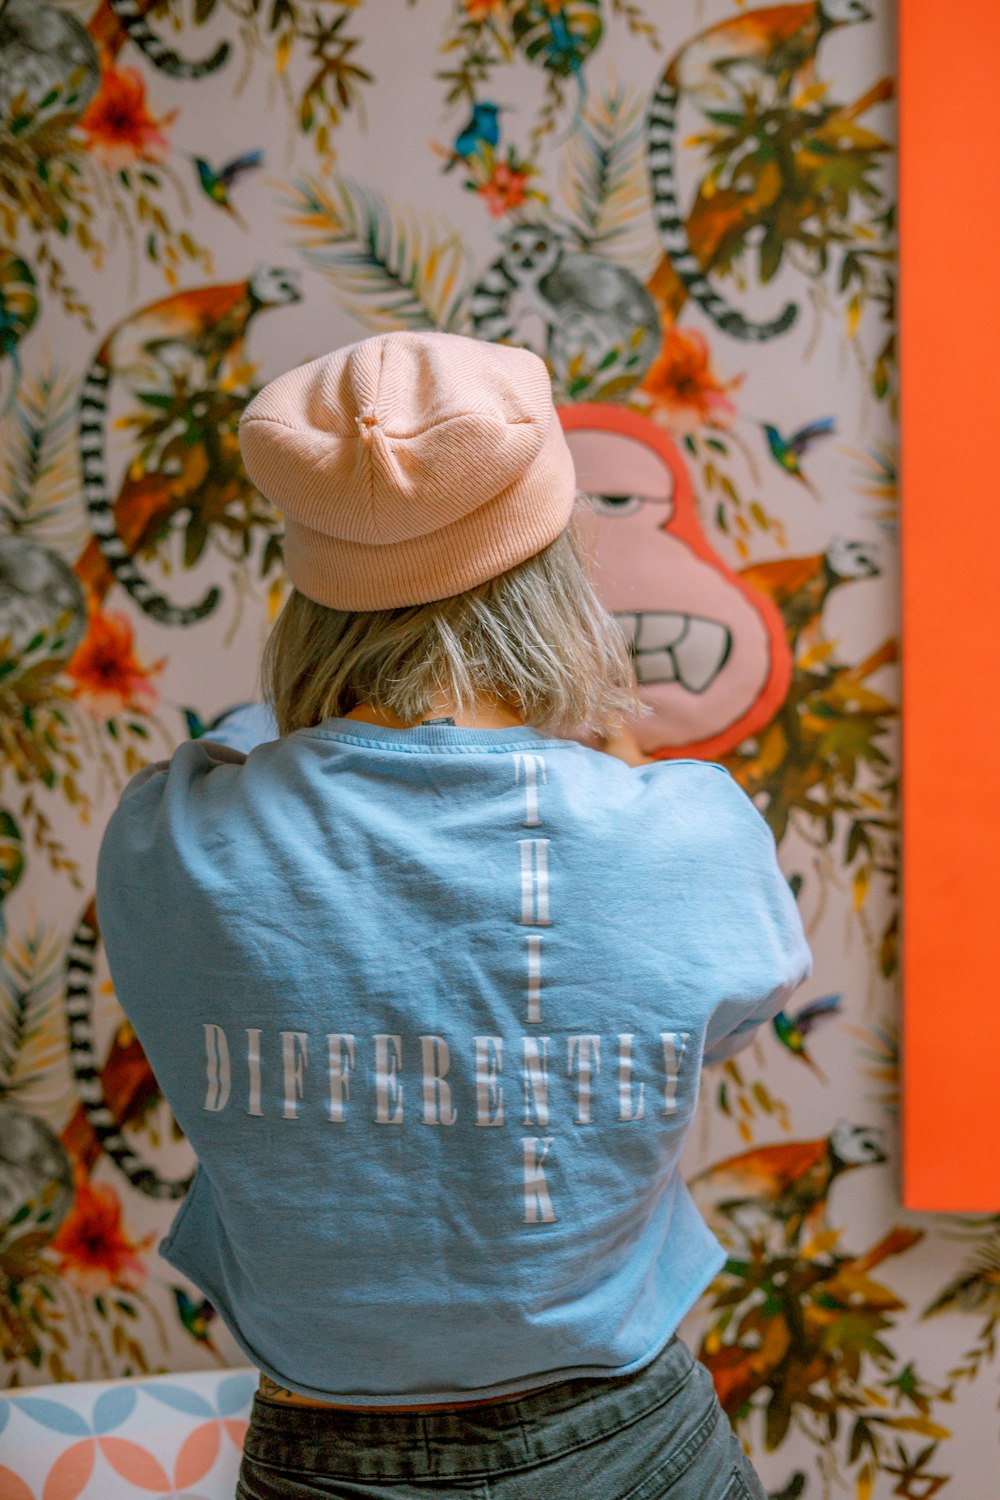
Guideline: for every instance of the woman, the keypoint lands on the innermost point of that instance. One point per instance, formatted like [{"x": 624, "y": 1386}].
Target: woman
[{"x": 429, "y": 983}]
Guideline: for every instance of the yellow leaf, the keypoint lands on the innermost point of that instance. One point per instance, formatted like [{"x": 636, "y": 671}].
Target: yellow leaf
[
  {"x": 814, "y": 92},
  {"x": 283, "y": 51},
  {"x": 817, "y": 654},
  {"x": 240, "y": 374},
  {"x": 859, "y": 886},
  {"x": 865, "y": 1481},
  {"x": 195, "y": 468},
  {"x": 431, "y": 264},
  {"x": 923, "y": 1425},
  {"x": 853, "y": 315},
  {"x": 824, "y": 1240},
  {"x": 746, "y": 1134},
  {"x": 275, "y": 595},
  {"x": 775, "y": 1342}
]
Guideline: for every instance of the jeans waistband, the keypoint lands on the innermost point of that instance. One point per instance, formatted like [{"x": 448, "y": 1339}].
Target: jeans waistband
[{"x": 480, "y": 1440}]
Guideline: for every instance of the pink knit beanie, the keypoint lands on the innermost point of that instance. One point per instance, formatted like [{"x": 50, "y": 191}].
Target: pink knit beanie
[{"x": 410, "y": 466}]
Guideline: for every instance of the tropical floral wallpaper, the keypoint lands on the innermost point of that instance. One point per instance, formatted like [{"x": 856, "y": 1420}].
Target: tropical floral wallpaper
[{"x": 688, "y": 210}]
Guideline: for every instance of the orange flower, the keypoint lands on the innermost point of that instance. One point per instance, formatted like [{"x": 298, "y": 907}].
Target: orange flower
[
  {"x": 505, "y": 189},
  {"x": 117, "y": 124},
  {"x": 105, "y": 671},
  {"x": 92, "y": 1245},
  {"x": 683, "y": 392},
  {"x": 479, "y": 10}
]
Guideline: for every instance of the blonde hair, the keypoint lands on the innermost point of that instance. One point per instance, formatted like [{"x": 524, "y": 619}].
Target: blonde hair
[{"x": 536, "y": 636}]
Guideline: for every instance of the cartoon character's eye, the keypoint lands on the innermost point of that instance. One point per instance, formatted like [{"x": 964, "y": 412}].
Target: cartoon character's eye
[
  {"x": 539, "y": 246},
  {"x": 615, "y": 505}
]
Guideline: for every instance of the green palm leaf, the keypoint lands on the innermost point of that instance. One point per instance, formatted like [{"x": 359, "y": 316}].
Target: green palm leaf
[
  {"x": 41, "y": 486},
  {"x": 391, "y": 270},
  {"x": 975, "y": 1289},
  {"x": 604, "y": 180},
  {"x": 32, "y": 1042}
]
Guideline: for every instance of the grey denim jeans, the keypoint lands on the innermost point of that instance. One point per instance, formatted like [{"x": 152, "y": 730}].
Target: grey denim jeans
[{"x": 659, "y": 1434}]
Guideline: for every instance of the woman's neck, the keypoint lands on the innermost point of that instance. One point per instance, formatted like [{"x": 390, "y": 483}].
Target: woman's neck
[{"x": 487, "y": 713}]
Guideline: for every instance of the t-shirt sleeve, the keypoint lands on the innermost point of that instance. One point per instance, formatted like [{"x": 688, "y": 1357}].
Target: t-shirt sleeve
[{"x": 770, "y": 956}]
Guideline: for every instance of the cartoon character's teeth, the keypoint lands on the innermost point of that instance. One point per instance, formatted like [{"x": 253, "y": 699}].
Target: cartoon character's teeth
[
  {"x": 660, "y": 631},
  {"x": 668, "y": 646}
]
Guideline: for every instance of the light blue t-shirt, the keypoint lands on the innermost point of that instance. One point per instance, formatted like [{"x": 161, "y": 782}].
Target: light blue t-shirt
[{"x": 431, "y": 1006}]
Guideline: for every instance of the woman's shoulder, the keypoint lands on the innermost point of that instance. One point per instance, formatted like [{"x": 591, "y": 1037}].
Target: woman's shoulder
[{"x": 704, "y": 796}]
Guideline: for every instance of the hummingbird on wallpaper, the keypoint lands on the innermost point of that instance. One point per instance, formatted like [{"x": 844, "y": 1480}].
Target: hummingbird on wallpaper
[
  {"x": 217, "y": 185},
  {"x": 792, "y": 1031},
  {"x": 197, "y": 1318},
  {"x": 481, "y": 129},
  {"x": 789, "y": 452},
  {"x": 197, "y": 726}
]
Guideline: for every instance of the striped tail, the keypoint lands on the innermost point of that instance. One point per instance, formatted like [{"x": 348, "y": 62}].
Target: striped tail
[
  {"x": 92, "y": 410},
  {"x": 80, "y": 957},
  {"x": 660, "y": 136},
  {"x": 132, "y": 21},
  {"x": 489, "y": 305}
]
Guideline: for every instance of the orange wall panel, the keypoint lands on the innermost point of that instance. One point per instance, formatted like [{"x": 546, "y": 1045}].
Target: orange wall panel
[{"x": 950, "y": 349}]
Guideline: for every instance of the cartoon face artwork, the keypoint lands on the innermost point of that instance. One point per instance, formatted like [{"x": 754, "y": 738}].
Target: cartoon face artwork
[{"x": 710, "y": 654}]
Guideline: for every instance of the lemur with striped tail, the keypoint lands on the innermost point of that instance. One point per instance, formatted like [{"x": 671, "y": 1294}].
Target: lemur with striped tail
[
  {"x": 206, "y": 327},
  {"x": 778, "y": 42},
  {"x": 594, "y": 311},
  {"x": 125, "y": 1075},
  {"x": 133, "y": 22}
]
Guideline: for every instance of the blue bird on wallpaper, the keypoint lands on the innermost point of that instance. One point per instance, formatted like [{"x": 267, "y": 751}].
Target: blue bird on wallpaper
[
  {"x": 565, "y": 49},
  {"x": 565, "y": 52},
  {"x": 788, "y": 452},
  {"x": 199, "y": 728},
  {"x": 241, "y": 726},
  {"x": 218, "y": 185},
  {"x": 792, "y": 1031},
  {"x": 196, "y": 725},
  {"x": 481, "y": 129},
  {"x": 197, "y": 1318}
]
